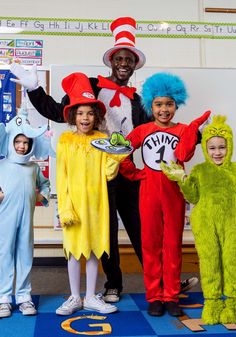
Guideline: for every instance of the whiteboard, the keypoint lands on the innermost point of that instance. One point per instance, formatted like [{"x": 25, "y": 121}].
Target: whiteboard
[{"x": 208, "y": 88}]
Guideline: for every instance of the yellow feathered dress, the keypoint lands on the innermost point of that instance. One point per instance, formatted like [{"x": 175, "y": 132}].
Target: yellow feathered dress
[{"x": 82, "y": 174}]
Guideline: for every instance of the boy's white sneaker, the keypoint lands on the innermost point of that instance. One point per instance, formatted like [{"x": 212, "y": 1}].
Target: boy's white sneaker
[
  {"x": 27, "y": 308},
  {"x": 68, "y": 307},
  {"x": 96, "y": 303},
  {"x": 5, "y": 310}
]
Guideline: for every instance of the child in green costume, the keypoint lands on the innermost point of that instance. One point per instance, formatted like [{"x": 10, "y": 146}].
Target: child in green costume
[{"x": 211, "y": 187}]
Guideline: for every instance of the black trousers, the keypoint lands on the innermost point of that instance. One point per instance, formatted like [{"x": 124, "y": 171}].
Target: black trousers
[{"x": 124, "y": 198}]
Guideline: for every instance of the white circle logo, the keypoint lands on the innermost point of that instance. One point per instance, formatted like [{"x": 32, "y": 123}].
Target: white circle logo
[
  {"x": 157, "y": 147},
  {"x": 88, "y": 95}
]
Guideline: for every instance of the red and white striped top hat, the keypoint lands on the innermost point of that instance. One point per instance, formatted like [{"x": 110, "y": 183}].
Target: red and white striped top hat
[{"x": 124, "y": 30}]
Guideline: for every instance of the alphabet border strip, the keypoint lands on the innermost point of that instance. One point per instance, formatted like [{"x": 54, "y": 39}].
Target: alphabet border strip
[{"x": 87, "y": 27}]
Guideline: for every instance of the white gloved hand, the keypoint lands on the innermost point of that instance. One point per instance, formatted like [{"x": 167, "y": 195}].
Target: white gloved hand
[{"x": 27, "y": 78}]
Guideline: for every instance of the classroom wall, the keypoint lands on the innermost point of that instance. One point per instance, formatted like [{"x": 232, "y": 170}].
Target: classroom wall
[{"x": 161, "y": 52}]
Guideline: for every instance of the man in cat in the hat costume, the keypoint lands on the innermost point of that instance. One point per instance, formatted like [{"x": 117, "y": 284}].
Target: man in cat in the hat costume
[{"x": 121, "y": 102}]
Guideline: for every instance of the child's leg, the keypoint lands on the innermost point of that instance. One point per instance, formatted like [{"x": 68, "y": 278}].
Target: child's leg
[
  {"x": 152, "y": 237},
  {"x": 74, "y": 302},
  {"x": 91, "y": 275},
  {"x": 228, "y": 314},
  {"x": 74, "y": 270},
  {"x": 92, "y": 301},
  {"x": 24, "y": 259},
  {"x": 209, "y": 253},
  {"x": 7, "y": 253},
  {"x": 228, "y": 259},
  {"x": 172, "y": 242}
]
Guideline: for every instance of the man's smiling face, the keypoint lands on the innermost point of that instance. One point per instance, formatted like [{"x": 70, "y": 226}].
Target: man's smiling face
[{"x": 123, "y": 63}]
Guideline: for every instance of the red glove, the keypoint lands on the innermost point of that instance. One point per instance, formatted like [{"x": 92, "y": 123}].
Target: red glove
[
  {"x": 200, "y": 120},
  {"x": 188, "y": 141}
]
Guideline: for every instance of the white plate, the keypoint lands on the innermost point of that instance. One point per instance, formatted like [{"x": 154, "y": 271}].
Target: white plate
[{"x": 103, "y": 144}]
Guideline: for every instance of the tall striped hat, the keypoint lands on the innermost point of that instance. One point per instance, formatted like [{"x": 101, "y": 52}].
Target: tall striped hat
[{"x": 123, "y": 29}]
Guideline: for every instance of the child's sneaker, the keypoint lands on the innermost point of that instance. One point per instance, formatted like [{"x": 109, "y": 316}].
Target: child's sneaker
[
  {"x": 5, "y": 310},
  {"x": 96, "y": 303},
  {"x": 188, "y": 284},
  {"x": 68, "y": 307},
  {"x": 27, "y": 308}
]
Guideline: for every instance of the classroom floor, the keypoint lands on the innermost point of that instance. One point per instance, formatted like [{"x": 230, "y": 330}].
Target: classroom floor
[{"x": 54, "y": 280}]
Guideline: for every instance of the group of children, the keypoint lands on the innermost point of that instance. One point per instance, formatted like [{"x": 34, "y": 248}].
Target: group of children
[{"x": 82, "y": 175}]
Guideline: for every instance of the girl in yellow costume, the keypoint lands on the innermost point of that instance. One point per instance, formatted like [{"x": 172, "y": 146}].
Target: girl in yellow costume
[
  {"x": 211, "y": 187},
  {"x": 82, "y": 174}
]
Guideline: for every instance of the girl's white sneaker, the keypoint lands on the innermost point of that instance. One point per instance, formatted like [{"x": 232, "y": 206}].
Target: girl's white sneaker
[
  {"x": 70, "y": 306},
  {"x": 96, "y": 303}
]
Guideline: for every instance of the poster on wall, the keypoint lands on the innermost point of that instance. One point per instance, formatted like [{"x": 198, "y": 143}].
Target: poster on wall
[
  {"x": 7, "y": 97},
  {"x": 27, "y": 51}
]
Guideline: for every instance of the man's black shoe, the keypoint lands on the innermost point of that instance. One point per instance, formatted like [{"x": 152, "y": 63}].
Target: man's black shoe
[
  {"x": 156, "y": 308},
  {"x": 174, "y": 309}
]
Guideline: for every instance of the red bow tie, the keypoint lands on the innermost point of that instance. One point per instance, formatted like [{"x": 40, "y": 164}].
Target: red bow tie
[{"x": 108, "y": 84}]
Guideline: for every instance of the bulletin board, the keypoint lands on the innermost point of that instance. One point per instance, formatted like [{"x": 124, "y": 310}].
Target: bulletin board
[{"x": 208, "y": 88}]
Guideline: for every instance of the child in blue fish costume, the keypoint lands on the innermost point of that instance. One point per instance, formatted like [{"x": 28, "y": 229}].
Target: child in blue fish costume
[{"x": 22, "y": 184}]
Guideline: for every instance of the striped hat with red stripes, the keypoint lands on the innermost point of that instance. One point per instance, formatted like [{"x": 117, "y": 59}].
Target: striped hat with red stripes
[{"x": 124, "y": 30}]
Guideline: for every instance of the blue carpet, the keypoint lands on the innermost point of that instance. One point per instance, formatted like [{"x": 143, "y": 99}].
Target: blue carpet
[{"x": 131, "y": 320}]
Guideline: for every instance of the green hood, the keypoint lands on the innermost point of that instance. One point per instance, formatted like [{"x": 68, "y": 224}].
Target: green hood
[{"x": 218, "y": 128}]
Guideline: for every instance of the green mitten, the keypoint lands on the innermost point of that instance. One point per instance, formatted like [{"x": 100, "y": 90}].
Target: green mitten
[
  {"x": 118, "y": 139},
  {"x": 174, "y": 171}
]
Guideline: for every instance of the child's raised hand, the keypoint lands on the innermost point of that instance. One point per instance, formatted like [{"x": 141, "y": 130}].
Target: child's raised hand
[
  {"x": 174, "y": 172},
  {"x": 205, "y": 123},
  {"x": 201, "y": 120},
  {"x": 68, "y": 218}
]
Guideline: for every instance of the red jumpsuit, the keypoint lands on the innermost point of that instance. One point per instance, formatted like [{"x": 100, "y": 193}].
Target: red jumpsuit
[{"x": 162, "y": 206}]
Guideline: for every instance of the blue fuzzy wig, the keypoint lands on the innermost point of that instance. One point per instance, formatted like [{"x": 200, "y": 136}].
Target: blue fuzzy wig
[{"x": 163, "y": 85}]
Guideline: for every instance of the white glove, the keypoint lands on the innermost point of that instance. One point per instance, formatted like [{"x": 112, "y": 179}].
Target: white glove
[{"x": 28, "y": 79}]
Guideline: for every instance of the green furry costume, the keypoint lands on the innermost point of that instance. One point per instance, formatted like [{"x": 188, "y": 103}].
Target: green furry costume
[{"x": 212, "y": 189}]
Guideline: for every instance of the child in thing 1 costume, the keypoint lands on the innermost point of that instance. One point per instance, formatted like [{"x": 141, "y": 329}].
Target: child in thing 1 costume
[
  {"x": 82, "y": 175},
  {"x": 19, "y": 180},
  {"x": 162, "y": 206},
  {"x": 211, "y": 188}
]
